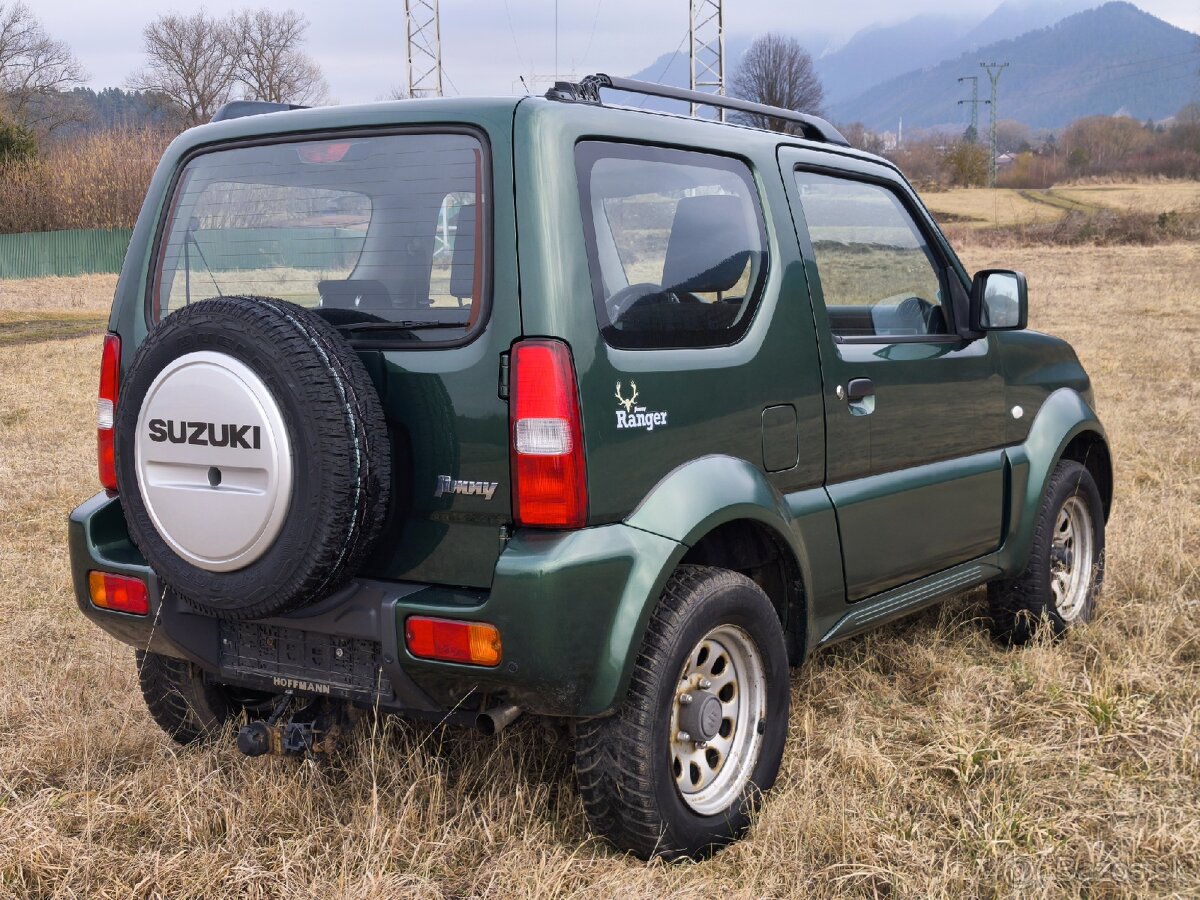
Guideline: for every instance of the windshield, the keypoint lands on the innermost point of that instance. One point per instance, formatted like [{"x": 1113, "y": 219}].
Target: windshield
[{"x": 368, "y": 230}]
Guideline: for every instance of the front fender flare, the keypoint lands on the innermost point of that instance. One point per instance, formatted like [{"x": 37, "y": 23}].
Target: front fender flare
[{"x": 1063, "y": 416}]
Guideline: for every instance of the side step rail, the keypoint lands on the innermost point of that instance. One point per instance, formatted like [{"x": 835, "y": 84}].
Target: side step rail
[{"x": 909, "y": 598}]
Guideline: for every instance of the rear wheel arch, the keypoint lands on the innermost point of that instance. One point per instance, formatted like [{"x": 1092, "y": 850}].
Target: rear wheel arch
[{"x": 761, "y": 553}]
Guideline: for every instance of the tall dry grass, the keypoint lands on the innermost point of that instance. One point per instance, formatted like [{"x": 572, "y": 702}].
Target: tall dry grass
[
  {"x": 923, "y": 760},
  {"x": 96, "y": 180}
]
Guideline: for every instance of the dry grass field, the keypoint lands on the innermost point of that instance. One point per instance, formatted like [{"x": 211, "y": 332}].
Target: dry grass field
[
  {"x": 1007, "y": 207},
  {"x": 923, "y": 760}
]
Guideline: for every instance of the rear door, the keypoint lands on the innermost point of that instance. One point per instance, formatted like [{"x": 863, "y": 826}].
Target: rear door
[
  {"x": 914, "y": 413},
  {"x": 401, "y": 237}
]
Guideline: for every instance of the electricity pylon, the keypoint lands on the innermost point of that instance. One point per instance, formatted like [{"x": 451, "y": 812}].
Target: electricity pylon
[
  {"x": 973, "y": 131},
  {"x": 994, "y": 70},
  {"x": 424, "y": 29},
  {"x": 706, "y": 32}
]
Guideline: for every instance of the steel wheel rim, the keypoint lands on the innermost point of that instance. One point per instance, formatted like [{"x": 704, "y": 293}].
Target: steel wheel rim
[
  {"x": 1072, "y": 555},
  {"x": 711, "y": 772}
]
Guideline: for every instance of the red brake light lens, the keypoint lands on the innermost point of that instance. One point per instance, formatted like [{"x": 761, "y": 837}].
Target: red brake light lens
[
  {"x": 106, "y": 411},
  {"x": 475, "y": 643},
  {"x": 324, "y": 152},
  {"x": 118, "y": 593},
  {"x": 549, "y": 471}
]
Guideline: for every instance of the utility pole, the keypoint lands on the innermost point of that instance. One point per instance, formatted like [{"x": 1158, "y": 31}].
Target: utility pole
[
  {"x": 973, "y": 131},
  {"x": 707, "y": 35},
  {"x": 994, "y": 70},
  {"x": 424, "y": 29}
]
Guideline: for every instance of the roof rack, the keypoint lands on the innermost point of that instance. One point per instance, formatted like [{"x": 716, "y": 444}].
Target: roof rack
[
  {"x": 237, "y": 109},
  {"x": 588, "y": 91}
]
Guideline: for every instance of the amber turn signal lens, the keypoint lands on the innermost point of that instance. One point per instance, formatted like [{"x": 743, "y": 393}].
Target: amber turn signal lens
[
  {"x": 448, "y": 640},
  {"x": 118, "y": 593}
]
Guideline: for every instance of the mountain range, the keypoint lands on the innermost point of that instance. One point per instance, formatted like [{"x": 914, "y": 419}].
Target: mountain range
[{"x": 1067, "y": 58}]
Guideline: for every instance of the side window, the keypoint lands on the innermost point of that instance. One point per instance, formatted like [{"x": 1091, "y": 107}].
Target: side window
[
  {"x": 676, "y": 244},
  {"x": 879, "y": 277}
]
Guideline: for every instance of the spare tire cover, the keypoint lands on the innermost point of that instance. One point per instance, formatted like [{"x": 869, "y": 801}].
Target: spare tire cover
[{"x": 253, "y": 459}]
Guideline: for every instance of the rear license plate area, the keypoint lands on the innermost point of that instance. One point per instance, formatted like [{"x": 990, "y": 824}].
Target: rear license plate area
[{"x": 278, "y": 658}]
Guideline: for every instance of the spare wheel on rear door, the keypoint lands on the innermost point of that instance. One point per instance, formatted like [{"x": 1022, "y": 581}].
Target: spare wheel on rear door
[{"x": 253, "y": 458}]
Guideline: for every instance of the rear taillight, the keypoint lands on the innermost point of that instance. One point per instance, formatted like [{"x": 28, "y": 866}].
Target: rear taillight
[
  {"x": 451, "y": 640},
  {"x": 549, "y": 473},
  {"x": 119, "y": 593},
  {"x": 106, "y": 411}
]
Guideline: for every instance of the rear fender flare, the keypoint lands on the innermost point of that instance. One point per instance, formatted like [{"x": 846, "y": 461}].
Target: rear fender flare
[{"x": 702, "y": 495}]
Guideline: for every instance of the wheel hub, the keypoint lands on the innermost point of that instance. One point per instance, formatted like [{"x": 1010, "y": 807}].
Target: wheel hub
[
  {"x": 716, "y": 719},
  {"x": 1072, "y": 553},
  {"x": 214, "y": 462},
  {"x": 701, "y": 717}
]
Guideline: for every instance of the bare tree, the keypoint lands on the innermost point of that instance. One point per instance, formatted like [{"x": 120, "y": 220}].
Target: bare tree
[
  {"x": 861, "y": 138},
  {"x": 191, "y": 62},
  {"x": 777, "y": 71},
  {"x": 35, "y": 71},
  {"x": 268, "y": 60}
]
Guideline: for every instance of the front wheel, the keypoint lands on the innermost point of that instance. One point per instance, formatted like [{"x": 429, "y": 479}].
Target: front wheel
[
  {"x": 680, "y": 767},
  {"x": 1066, "y": 562}
]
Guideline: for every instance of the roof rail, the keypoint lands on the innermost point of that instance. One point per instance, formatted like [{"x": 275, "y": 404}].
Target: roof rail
[
  {"x": 588, "y": 91},
  {"x": 237, "y": 109}
]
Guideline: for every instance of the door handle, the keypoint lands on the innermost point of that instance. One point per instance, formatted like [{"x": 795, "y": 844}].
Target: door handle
[{"x": 859, "y": 389}]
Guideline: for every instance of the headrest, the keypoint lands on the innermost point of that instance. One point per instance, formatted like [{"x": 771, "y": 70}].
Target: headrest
[
  {"x": 354, "y": 293},
  {"x": 462, "y": 258},
  {"x": 709, "y": 246}
]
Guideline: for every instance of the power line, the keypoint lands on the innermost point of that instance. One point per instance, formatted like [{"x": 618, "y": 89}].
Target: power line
[
  {"x": 1101, "y": 82},
  {"x": 665, "y": 68},
  {"x": 592, "y": 34},
  {"x": 513, "y": 33}
]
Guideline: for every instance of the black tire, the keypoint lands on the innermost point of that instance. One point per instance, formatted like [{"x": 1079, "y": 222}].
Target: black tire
[
  {"x": 341, "y": 453},
  {"x": 1020, "y": 606},
  {"x": 185, "y": 705},
  {"x": 623, "y": 763}
]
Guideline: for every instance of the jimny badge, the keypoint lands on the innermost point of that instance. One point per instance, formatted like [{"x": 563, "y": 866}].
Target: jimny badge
[{"x": 633, "y": 416}]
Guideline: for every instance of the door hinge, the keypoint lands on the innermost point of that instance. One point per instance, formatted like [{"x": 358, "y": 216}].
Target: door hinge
[{"x": 502, "y": 390}]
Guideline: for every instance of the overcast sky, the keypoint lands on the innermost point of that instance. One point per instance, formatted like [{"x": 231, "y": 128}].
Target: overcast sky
[{"x": 488, "y": 44}]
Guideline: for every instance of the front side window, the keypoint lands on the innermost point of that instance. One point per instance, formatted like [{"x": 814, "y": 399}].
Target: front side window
[
  {"x": 879, "y": 277},
  {"x": 370, "y": 231},
  {"x": 676, "y": 244}
]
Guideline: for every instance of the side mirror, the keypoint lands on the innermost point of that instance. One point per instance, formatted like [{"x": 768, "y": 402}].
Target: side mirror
[{"x": 999, "y": 301}]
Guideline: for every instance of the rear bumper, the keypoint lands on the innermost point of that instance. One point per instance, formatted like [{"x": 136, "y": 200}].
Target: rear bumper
[{"x": 570, "y": 608}]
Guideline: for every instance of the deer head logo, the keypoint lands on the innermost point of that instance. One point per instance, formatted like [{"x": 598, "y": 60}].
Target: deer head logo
[{"x": 628, "y": 404}]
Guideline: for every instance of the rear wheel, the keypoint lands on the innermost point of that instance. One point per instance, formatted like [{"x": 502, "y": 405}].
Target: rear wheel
[
  {"x": 680, "y": 767},
  {"x": 1066, "y": 562},
  {"x": 187, "y": 706}
]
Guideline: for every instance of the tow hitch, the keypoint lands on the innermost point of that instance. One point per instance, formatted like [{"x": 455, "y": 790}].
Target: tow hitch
[{"x": 311, "y": 729}]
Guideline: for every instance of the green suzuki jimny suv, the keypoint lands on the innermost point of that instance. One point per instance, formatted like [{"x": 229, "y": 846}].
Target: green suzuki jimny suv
[{"x": 463, "y": 409}]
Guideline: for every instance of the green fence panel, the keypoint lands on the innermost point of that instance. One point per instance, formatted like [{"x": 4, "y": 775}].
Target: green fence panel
[{"x": 85, "y": 251}]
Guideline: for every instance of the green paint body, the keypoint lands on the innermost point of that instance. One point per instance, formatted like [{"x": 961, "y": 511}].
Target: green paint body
[{"x": 880, "y": 514}]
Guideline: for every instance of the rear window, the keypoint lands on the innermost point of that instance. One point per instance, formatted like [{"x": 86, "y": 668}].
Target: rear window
[
  {"x": 676, "y": 244},
  {"x": 379, "y": 233}
]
